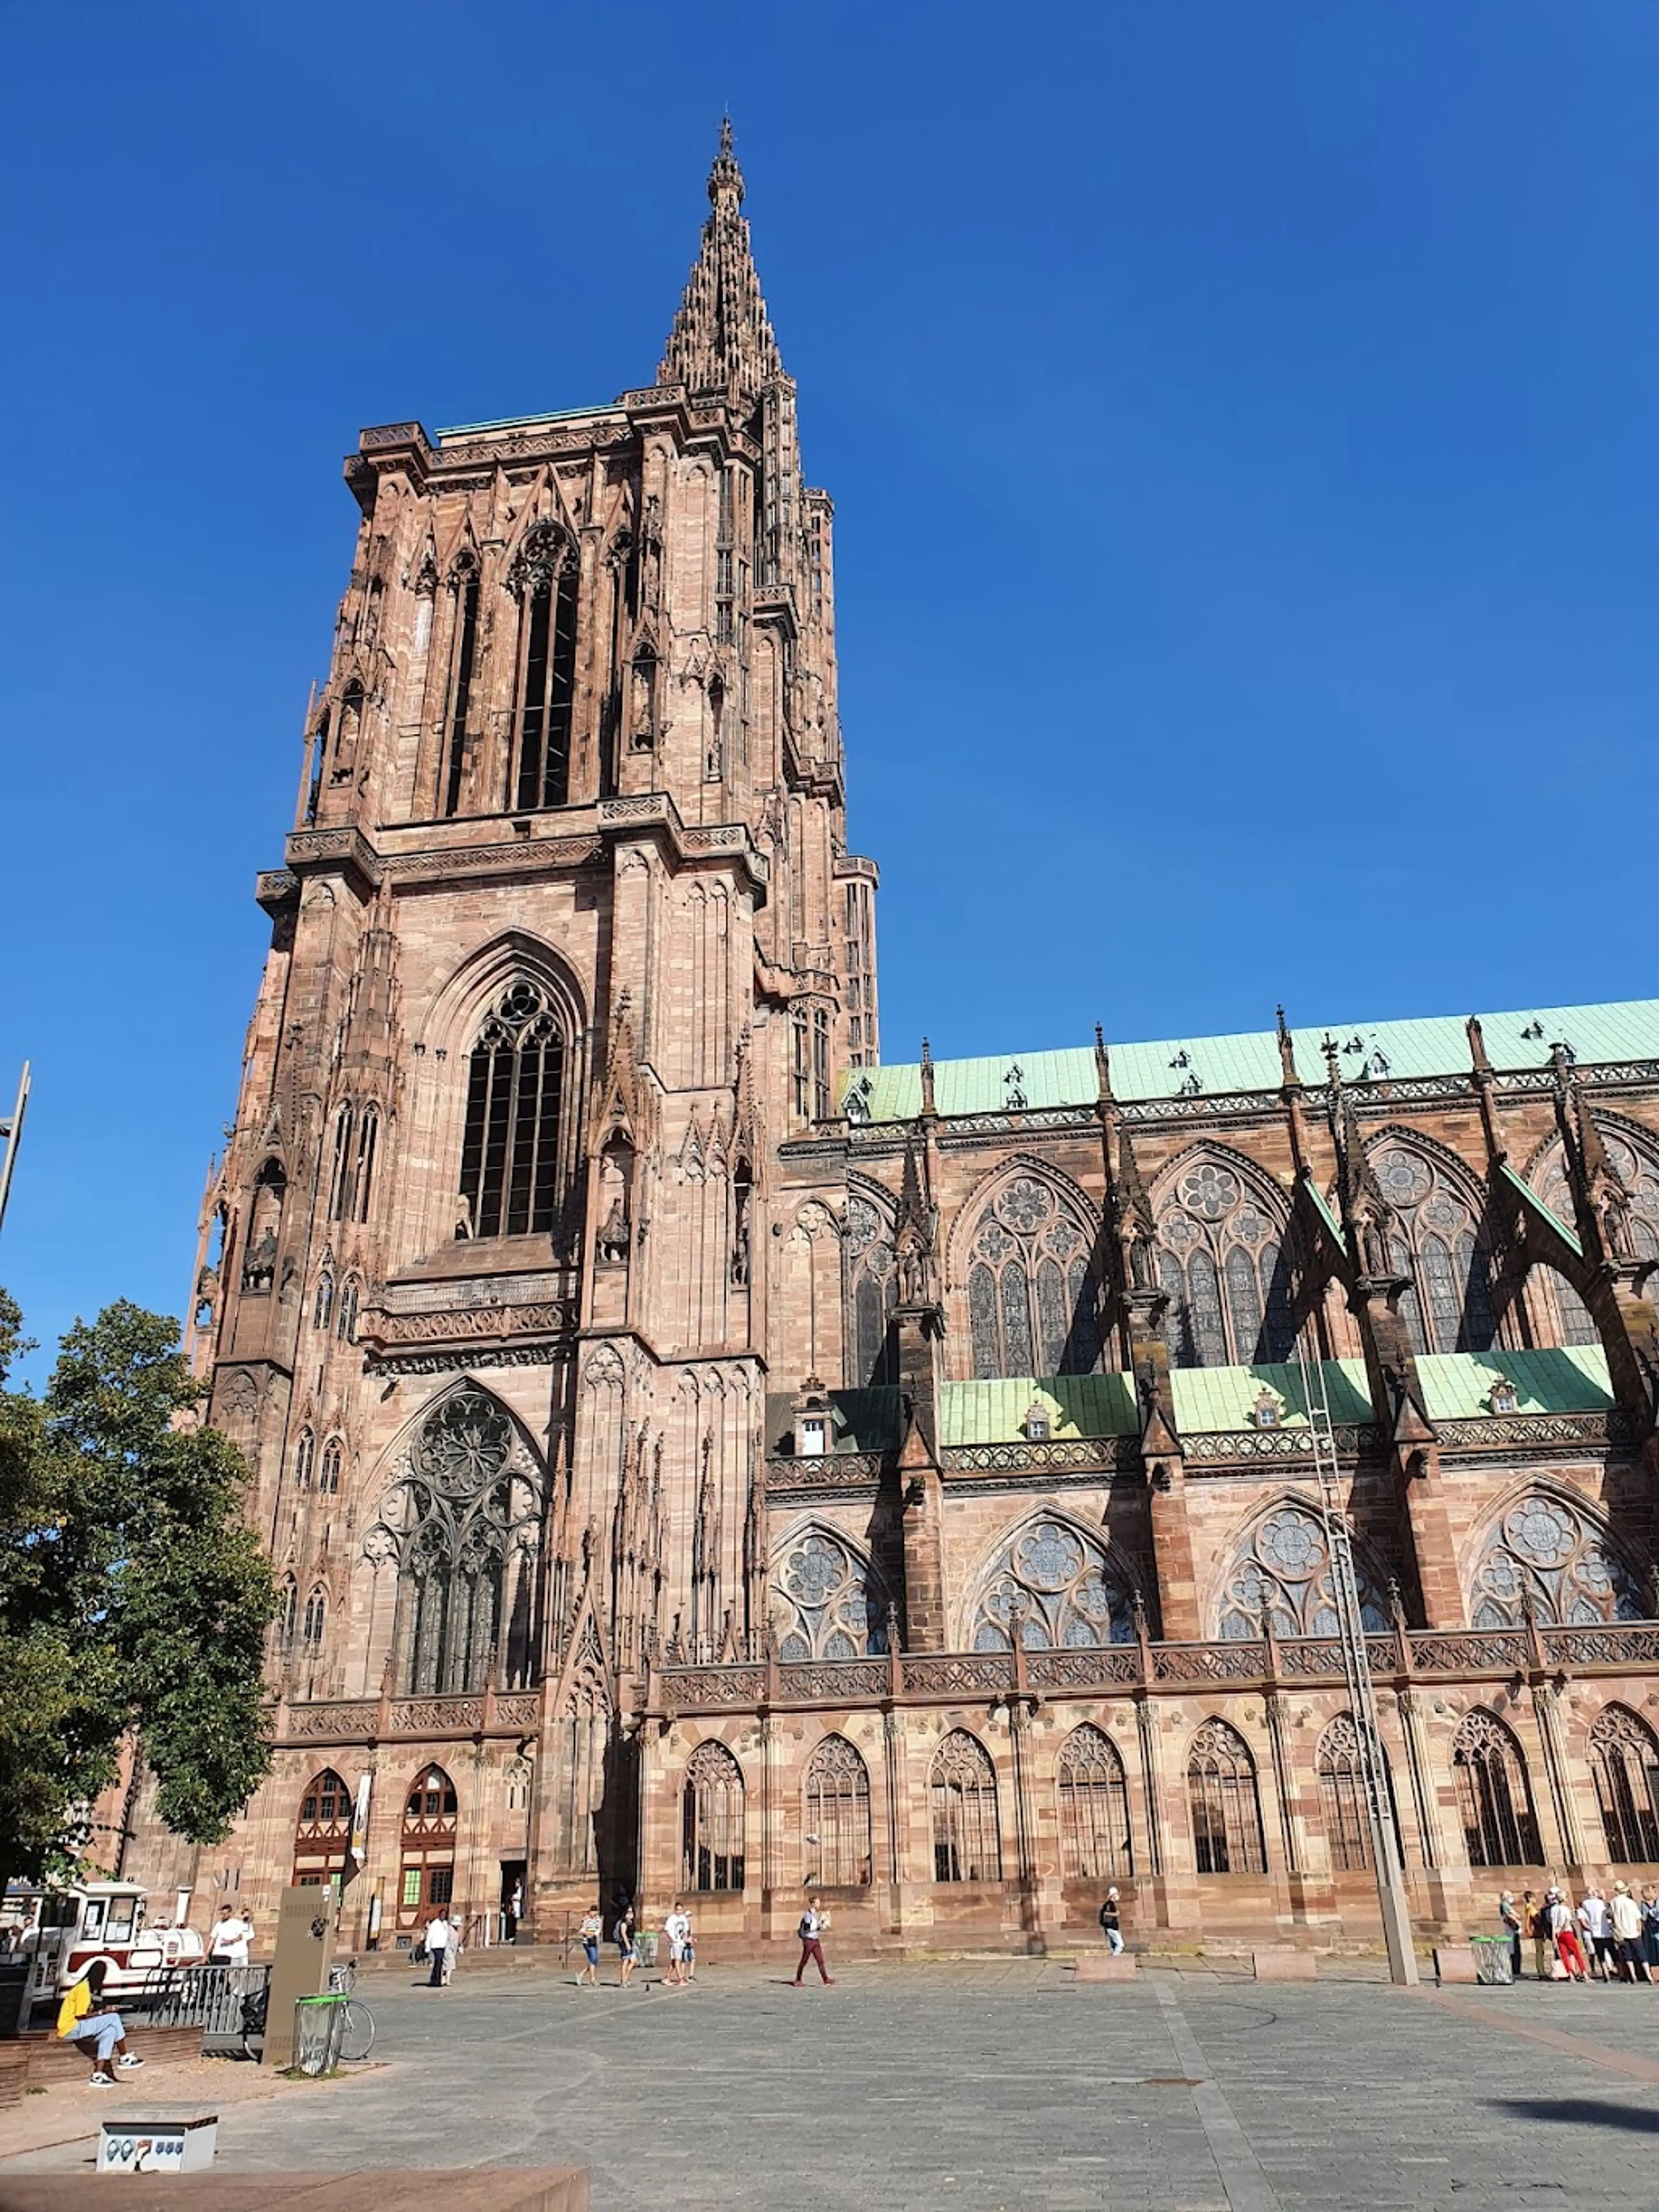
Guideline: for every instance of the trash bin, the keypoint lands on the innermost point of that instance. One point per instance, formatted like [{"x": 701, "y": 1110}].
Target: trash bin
[
  {"x": 1494, "y": 1961},
  {"x": 646, "y": 1941},
  {"x": 318, "y": 2030}
]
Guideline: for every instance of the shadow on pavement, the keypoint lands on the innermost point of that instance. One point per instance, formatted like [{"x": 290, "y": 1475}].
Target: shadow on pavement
[{"x": 1579, "y": 2111}]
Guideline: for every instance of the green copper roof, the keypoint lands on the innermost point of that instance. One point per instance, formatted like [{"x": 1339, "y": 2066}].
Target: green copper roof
[
  {"x": 1569, "y": 1378},
  {"x": 1436, "y": 1044},
  {"x": 1211, "y": 1398},
  {"x": 1077, "y": 1406}
]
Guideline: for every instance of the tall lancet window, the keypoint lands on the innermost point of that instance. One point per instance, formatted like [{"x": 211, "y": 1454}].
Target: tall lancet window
[
  {"x": 458, "y": 704},
  {"x": 510, "y": 1154},
  {"x": 545, "y": 578}
]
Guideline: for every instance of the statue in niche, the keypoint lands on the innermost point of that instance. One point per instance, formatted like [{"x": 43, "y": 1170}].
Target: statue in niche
[
  {"x": 259, "y": 1268},
  {"x": 742, "y": 1191},
  {"x": 615, "y": 1179}
]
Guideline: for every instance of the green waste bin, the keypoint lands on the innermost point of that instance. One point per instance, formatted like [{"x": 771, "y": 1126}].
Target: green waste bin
[{"x": 318, "y": 2030}]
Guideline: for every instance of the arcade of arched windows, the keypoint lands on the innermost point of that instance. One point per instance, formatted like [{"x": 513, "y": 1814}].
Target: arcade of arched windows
[
  {"x": 1224, "y": 1259},
  {"x": 1029, "y": 1273}
]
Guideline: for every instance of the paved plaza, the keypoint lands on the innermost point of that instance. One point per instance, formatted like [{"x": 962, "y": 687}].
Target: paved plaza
[{"x": 1004, "y": 2085}]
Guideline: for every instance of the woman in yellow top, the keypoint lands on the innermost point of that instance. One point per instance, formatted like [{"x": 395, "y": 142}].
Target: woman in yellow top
[{"x": 85, "y": 2019}]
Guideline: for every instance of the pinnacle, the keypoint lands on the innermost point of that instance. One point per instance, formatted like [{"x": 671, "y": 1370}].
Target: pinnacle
[{"x": 722, "y": 336}]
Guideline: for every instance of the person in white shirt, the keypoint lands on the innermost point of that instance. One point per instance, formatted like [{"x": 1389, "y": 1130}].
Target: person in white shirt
[
  {"x": 229, "y": 1941},
  {"x": 677, "y": 1928},
  {"x": 438, "y": 1936},
  {"x": 813, "y": 1922},
  {"x": 1597, "y": 1923},
  {"x": 1626, "y": 1916}
]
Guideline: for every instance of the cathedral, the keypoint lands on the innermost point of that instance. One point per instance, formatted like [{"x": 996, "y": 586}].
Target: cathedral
[{"x": 704, "y": 1459}]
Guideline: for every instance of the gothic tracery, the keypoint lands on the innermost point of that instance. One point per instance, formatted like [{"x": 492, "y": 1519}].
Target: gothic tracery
[
  {"x": 1031, "y": 1292},
  {"x": 1222, "y": 1260}
]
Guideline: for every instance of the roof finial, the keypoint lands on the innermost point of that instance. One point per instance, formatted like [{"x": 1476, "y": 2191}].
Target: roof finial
[{"x": 927, "y": 1106}]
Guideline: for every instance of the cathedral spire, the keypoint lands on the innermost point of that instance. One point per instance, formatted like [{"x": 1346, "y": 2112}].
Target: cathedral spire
[{"x": 722, "y": 337}]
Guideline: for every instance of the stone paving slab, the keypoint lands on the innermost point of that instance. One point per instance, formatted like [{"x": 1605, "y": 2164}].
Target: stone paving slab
[{"x": 995, "y": 2086}]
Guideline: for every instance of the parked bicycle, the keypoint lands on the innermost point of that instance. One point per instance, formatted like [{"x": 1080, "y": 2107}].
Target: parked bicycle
[{"x": 357, "y": 2029}]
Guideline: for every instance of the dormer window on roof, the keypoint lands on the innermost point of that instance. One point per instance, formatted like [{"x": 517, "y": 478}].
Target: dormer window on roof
[
  {"x": 1503, "y": 1397},
  {"x": 1269, "y": 1410},
  {"x": 1038, "y": 1424}
]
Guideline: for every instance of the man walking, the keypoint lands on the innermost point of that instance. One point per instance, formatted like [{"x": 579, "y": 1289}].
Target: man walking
[
  {"x": 813, "y": 1922},
  {"x": 438, "y": 1936},
  {"x": 229, "y": 1940},
  {"x": 677, "y": 1928},
  {"x": 1111, "y": 1922}
]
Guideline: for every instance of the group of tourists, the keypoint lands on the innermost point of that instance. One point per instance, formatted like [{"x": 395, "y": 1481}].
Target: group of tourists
[
  {"x": 1601, "y": 1938},
  {"x": 678, "y": 1933}
]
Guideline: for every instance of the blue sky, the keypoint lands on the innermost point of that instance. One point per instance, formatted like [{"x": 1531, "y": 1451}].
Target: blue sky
[{"x": 1240, "y": 419}]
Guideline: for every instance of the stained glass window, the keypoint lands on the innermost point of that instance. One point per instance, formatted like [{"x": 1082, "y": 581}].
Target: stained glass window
[
  {"x": 449, "y": 1602},
  {"x": 1440, "y": 1248},
  {"x": 1222, "y": 1263},
  {"x": 871, "y": 1284},
  {"x": 1032, "y": 1298},
  {"x": 1283, "y": 1568},
  {"x": 1546, "y": 1548},
  {"x": 1060, "y": 1588},
  {"x": 832, "y": 1604},
  {"x": 1637, "y": 1166}
]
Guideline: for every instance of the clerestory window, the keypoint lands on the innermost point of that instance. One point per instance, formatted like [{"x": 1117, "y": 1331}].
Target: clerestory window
[
  {"x": 510, "y": 1152},
  {"x": 544, "y": 579}
]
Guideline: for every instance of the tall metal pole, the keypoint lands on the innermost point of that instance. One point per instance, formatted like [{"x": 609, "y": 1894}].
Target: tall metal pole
[
  {"x": 1356, "y": 1669},
  {"x": 12, "y": 1131}
]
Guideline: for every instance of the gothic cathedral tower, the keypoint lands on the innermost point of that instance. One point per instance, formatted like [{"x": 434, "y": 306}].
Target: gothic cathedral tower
[{"x": 567, "y": 942}]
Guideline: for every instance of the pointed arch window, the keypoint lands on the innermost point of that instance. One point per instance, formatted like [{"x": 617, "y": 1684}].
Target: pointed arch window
[
  {"x": 963, "y": 1786},
  {"x": 1546, "y": 1550},
  {"x": 322, "y": 1830},
  {"x": 328, "y": 1477},
  {"x": 1224, "y": 1264},
  {"x": 1625, "y": 1761},
  {"x": 450, "y": 1585},
  {"x": 1032, "y": 1301},
  {"x": 1441, "y": 1248},
  {"x": 544, "y": 579},
  {"x": 832, "y": 1601},
  {"x": 346, "y": 1322},
  {"x": 288, "y": 1609},
  {"x": 427, "y": 1846},
  {"x": 1221, "y": 1789},
  {"x": 1058, "y": 1588},
  {"x": 305, "y": 1457},
  {"x": 457, "y": 701},
  {"x": 363, "y": 1179},
  {"x": 510, "y": 1151},
  {"x": 316, "y": 1618},
  {"x": 1342, "y": 1797},
  {"x": 1094, "y": 1808},
  {"x": 712, "y": 1822},
  {"x": 836, "y": 1835},
  {"x": 1494, "y": 1795},
  {"x": 1282, "y": 1569},
  {"x": 324, "y": 1304},
  {"x": 871, "y": 1287},
  {"x": 1638, "y": 1169}
]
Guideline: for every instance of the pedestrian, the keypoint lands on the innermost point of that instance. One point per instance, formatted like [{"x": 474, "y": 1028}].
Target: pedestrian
[
  {"x": 83, "y": 2018},
  {"x": 1596, "y": 1922},
  {"x": 1111, "y": 1921},
  {"x": 1650, "y": 1923},
  {"x": 690, "y": 1954},
  {"x": 1510, "y": 1916},
  {"x": 438, "y": 1934},
  {"x": 592, "y": 1929},
  {"x": 677, "y": 1928},
  {"x": 228, "y": 1938},
  {"x": 813, "y": 1922},
  {"x": 1535, "y": 1924},
  {"x": 1567, "y": 1947},
  {"x": 452, "y": 1951},
  {"x": 628, "y": 1951},
  {"x": 1626, "y": 1916}
]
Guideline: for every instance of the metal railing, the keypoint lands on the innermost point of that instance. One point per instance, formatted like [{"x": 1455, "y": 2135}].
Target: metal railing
[{"x": 227, "y": 2003}]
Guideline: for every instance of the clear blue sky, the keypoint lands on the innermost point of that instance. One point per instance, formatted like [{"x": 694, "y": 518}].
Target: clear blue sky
[{"x": 1241, "y": 420}]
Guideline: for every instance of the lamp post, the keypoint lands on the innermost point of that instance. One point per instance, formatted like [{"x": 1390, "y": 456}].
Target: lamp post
[
  {"x": 11, "y": 1132},
  {"x": 1362, "y": 1696}
]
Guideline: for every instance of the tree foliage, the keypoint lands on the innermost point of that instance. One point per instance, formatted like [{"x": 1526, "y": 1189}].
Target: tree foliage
[{"x": 133, "y": 1595}]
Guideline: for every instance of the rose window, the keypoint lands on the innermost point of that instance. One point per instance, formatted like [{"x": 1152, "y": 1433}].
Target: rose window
[
  {"x": 832, "y": 1605},
  {"x": 1057, "y": 1589},
  {"x": 1548, "y": 1554},
  {"x": 1284, "y": 1571},
  {"x": 1210, "y": 1192},
  {"x": 1025, "y": 1204}
]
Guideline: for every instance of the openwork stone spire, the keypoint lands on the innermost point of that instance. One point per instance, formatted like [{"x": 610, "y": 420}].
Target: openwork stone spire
[{"x": 722, "y": 337}]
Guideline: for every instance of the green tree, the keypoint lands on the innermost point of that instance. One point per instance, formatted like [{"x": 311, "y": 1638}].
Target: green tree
[{"x": 133, "y": 1594}]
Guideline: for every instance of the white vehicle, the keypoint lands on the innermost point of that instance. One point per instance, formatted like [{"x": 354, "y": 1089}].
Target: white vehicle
[{"x": 100, "y": 1920}]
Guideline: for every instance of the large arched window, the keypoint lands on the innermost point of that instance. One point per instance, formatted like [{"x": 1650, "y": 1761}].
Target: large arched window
[
  {"x": 450, "y": 1593},
  {"x": 967, "y": 1840},
  {"x": 305, "y": 1459},
  {"x": 1546, "y": 1550},
  {"x": 1094, "y": 1808},
  {"x": 346, "y": 1323},
  {"x": 1062, "y": 1590},
  {"x": 324, "y": 1303},
  {"x": 431, "y": 1825},
  {"x": 1032, "y": 1304},
  {"x": 328, "y": 1474},
  {"x": 1494, "y": 1797},
  {"x": 1283, "y": 1568},
  {"x": 544, "y": 578},
  {"x": 1441, "y": 1248},
  {"x": 510, "y": 1153},
  {"x": 1224, "y": 1263},
  {"x": 322, "y": 1831},
  {"x": 1342, "y": 1797},
  {"x": 458, "y": 694},
  {"x": 836, "y": 1836},
  {"x": 831, "y": 1601},
  {"x": 1638, "y": 1167},
  {"x": 712, "y": 1823},
  {"x": 316, "y": 1619},
  {"x": 870, "y": 1289},
  {"x": 1226, "y": 1811},
  {"x": 1624, "y": 1760}
]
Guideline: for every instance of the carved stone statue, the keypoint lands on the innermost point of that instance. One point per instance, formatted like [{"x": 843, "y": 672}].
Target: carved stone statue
[
  {"x": 259, "y": 1268},
  {"x": 613, "y": 1239}
]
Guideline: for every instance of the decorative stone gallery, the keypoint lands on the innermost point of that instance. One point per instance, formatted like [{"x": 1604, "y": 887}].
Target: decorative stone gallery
[{"x": 703, "y": 1459}]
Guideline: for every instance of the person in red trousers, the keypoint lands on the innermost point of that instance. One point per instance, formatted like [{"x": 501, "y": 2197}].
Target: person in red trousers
[
  {"x": 811, "y": 1931},
  {"x": 1567, "y": 1946}
]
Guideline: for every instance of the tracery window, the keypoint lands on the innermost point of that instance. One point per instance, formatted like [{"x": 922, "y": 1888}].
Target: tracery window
[
  {"x": 305, "y": 1457},
  {"x": 962, "y": 1785},
  {"x": 1640, "y": 1176},
  {"x": 1224, "y": 1264},
  {"x": 832, "y": 1602},
  {"x": 510, "y": 1153},
  {"x": 322, "y": 1831},
  {"x": 712, "y": 1825},
  {"x": 288, "y": 1608},
  {"x": 1624, "y": 1760},
  {"x": 1094, "y": 1808},
  {"x": 1226, "y": 1811},
  {"x": 325, "y": 1301},
  {"x": 871, "y": 1287},
  {"x": 450, "y": 1588},
  {"x": 1032, "y": 1307},
  {"x": 1061, "y": 1587},
  {"x": 1342, "y": 1797},
  {"x": 328, "y": 1476},
  {"x": 837, "y": 1810},
  {"x": 1283, "y": 1568},
  {"x": 1448, "y": 1306},
  {"x": 545, "y": 578},
  {"x": 316, "y": 1618},
  {"x": 1494, "y": 1797},
  {"x": 1546, "y": 1549},
  {"x": 458, "y": 706},
  {"x": 345, "y": 1325}
]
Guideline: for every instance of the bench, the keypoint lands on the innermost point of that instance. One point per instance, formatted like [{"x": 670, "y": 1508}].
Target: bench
[
  {"x": 1283, "y": 1963},
  {"x": 48, "y": 2058},
  {"x": 1120, "y": 1968}
]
